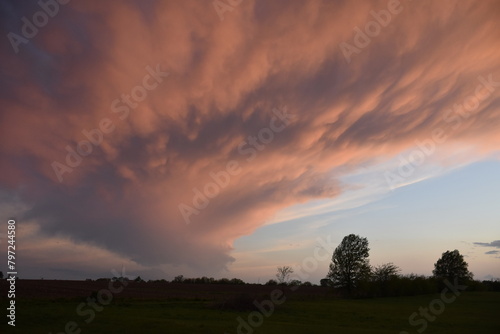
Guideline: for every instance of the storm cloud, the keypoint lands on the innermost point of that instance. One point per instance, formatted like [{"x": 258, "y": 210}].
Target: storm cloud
[{"x": 227, "y": 81}]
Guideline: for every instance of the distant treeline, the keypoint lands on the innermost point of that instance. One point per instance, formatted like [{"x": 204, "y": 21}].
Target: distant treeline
[
  {"x": 351, "y": 275},
  {"x": 396, "y": 285},
  {"x": 410, "y": 285}
]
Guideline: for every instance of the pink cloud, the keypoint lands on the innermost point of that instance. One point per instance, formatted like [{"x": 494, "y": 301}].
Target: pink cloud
[{"x": 225, "y": 80}]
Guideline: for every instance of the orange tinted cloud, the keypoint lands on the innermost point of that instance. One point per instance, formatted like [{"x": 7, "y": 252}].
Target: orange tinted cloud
[{"x": 225, "y": 79}]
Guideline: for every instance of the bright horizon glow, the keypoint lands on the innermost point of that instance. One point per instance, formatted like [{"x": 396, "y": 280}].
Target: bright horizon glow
[{"x": 377, "y": 218}]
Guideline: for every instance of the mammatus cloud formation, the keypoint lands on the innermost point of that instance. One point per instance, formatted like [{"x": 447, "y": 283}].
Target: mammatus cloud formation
[{"x": 164, "y": 141}]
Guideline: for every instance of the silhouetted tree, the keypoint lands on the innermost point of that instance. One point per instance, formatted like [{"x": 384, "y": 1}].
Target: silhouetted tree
[
  {"x": 325, "y": 282},
  {"x": 283, "y": 274},
  {"x": 236, "y": 281},
  {"x": 103, "y": 279},
  {"x": 383, "y": 279},
  {"x": 451, "y": 265},
  {"x": 385, "y": 271},
  {"x": 271, "y": 282},
  {"x": 350, "y": 263},
  {"x": 178, "y": 279}
]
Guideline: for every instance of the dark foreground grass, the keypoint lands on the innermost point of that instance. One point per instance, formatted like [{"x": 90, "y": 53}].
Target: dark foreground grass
[{"x": 472, "y": 312}]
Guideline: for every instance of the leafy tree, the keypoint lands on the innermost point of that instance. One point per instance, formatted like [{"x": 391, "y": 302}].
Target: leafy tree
[
  {"x": 178, "y": 279},
  {"x": 384, "y": 279},
  {"x": 385, "y": 272},
  {"x": 325, "y": 282},
  {"x": 237, "y": 281},
  {"x": 451, "y": 265},
  {"x": 283, "y": 274},
  {"x": 103, "y": 279},
  {"x": 350, "y": 263},
  {"x": 271, "y": 282}
]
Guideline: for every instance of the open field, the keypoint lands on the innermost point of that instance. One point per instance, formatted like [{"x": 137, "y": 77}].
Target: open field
[{"x": 183, "y": 308}]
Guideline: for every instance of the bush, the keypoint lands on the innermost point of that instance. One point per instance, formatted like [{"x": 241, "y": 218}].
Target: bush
[
  {"x": 406, "y": 285},
  {"x": 492, "y": 285},
  {"x": 271, "y": 282}
]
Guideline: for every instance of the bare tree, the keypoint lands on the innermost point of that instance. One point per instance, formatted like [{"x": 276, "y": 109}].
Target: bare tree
[{"x": 283, "y": 274}]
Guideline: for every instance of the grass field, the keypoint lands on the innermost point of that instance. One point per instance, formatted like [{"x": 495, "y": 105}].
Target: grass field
[{"x": 471, "y": 312}]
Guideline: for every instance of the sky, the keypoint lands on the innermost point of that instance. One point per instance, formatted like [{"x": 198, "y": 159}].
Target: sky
[{"x": 227, "y": 138}]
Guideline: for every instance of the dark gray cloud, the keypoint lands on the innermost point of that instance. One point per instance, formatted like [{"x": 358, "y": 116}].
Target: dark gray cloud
[{"x": 495, "y": 244}]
